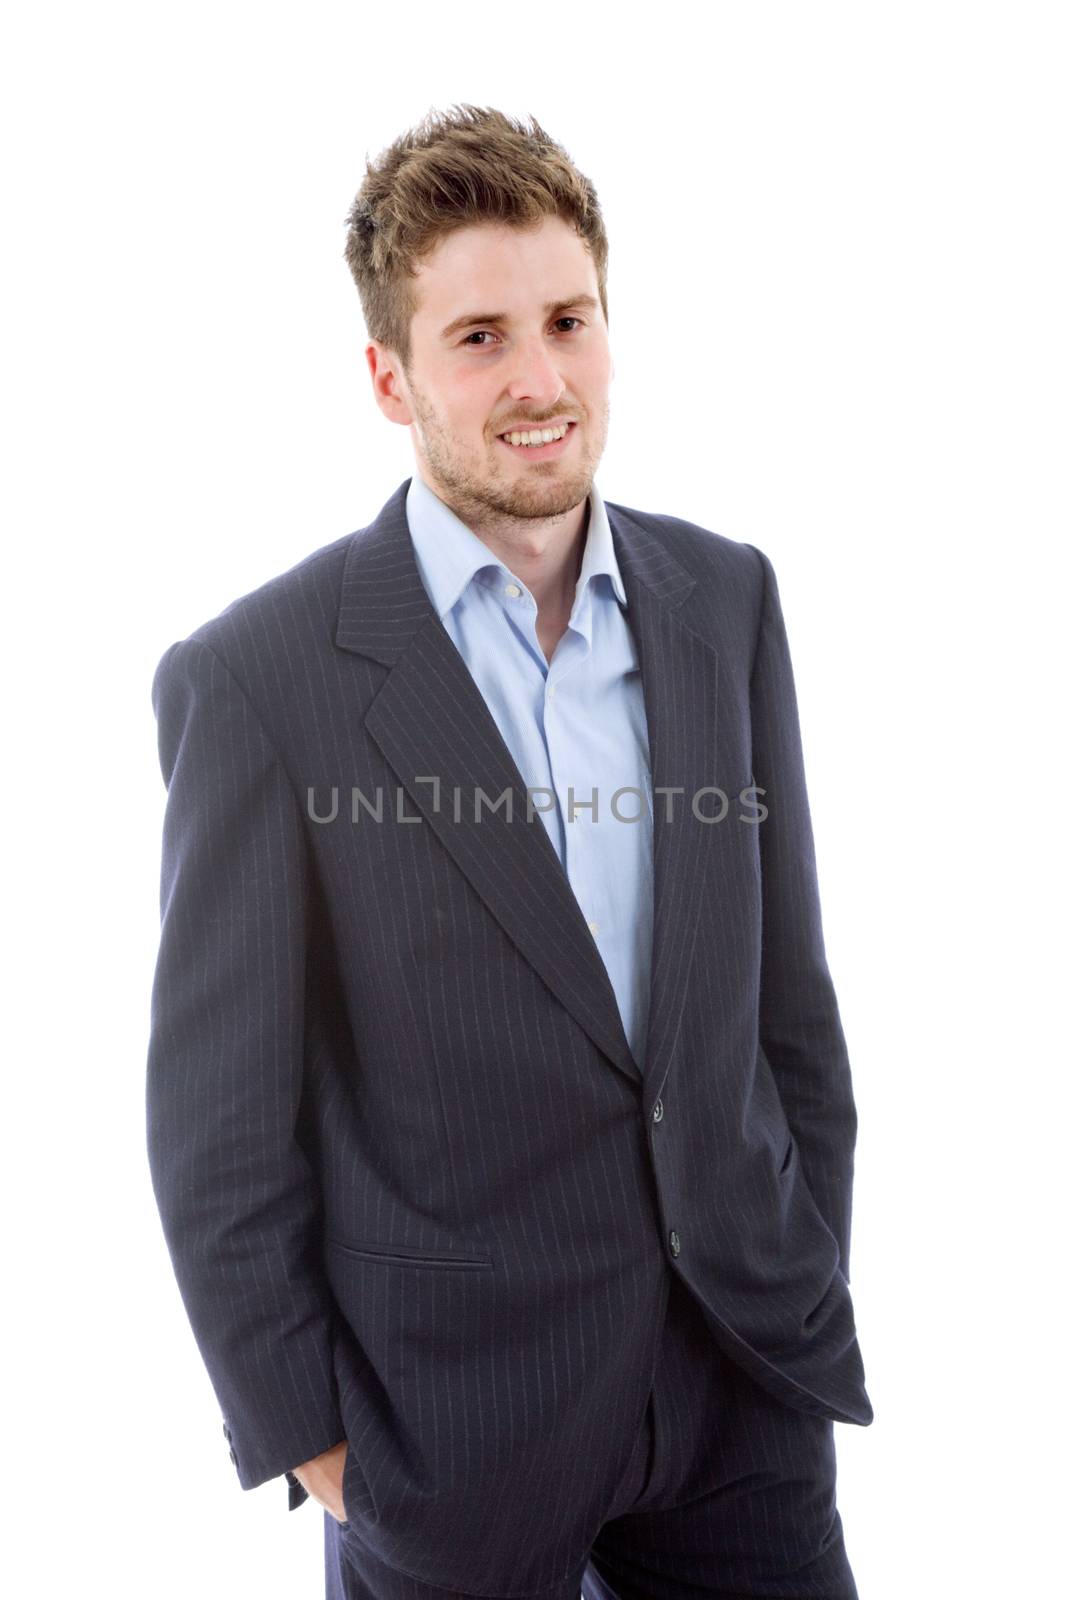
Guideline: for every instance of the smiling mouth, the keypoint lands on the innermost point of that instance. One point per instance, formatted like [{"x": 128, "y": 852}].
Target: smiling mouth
[{"x": 539, "y": 452}]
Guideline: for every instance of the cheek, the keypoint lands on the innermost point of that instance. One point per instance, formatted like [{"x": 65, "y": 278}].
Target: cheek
[
  {"x": 472, "y": 405},
  {"x": 599, "y": 372}
]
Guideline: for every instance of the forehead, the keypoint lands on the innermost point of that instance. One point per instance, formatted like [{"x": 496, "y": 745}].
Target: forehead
[{"x": 499, "y": 263}]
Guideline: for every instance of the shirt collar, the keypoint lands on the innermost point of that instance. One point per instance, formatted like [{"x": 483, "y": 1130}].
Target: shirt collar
[{"x": 449, "y": 554}]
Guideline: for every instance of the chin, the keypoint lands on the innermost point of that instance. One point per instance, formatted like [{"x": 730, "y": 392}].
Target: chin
[{"x": 543, "y": 499}]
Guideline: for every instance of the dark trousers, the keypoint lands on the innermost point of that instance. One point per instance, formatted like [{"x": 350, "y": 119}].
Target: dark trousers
[{"x": 730, "y": 1493}]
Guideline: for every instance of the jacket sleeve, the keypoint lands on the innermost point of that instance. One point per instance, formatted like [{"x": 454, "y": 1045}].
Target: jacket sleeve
[
  {"x": 800, "y": 1029},
  {"x": 236, "y": 1194}
]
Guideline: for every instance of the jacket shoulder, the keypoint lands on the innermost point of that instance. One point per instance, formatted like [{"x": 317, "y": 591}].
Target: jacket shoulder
[
  {"x": 297, "y": 607},
  {"x": 305, "y": 594},
  {"x": 734, "y": 566}
]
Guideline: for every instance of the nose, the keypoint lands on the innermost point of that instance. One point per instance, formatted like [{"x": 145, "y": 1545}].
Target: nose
[{"x": 534, "y": 376}]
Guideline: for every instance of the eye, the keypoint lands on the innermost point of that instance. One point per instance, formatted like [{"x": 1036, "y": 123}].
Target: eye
[{"x": 481, "y": 333}]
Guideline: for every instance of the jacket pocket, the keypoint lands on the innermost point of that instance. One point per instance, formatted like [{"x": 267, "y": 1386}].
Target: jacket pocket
[{"x": 402, "y": 1255}]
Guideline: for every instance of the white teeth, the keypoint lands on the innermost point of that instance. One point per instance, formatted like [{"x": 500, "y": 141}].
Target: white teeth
[{"x": 536, "y": 436}]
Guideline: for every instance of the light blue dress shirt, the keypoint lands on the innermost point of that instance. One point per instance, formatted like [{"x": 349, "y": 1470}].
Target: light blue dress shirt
[{"x": 575, "y": 726}]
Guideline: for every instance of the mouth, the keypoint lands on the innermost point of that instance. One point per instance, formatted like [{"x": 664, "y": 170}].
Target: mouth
[{"x": 539, "y": 452}]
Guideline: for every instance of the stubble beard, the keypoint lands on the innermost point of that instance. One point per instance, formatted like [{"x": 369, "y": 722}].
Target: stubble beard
[{"x": 490, "y": 496}]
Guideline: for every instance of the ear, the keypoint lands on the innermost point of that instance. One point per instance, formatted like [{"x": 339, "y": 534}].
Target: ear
[{"x": 387, "y": 382}]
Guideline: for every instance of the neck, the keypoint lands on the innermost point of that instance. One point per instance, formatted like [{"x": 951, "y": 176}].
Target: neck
[{"x": 545, "y": 555}]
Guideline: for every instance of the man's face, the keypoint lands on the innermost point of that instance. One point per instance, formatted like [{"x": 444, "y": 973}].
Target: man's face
[{"x": 509, "y": 334}]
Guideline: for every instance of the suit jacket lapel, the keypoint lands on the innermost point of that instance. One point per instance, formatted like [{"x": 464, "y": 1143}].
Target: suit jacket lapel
[
  {"x": 429, "y": 721},
  {"x": 679, "y": 677}
]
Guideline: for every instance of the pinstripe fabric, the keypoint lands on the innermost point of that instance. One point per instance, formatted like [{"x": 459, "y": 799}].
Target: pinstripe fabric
[
  {"x": 416, "y": 1190},
  {"x": 728, "y": 1494}
]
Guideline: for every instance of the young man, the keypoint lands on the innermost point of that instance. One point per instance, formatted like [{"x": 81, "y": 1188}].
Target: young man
[{"x": 500, "y": 1117}]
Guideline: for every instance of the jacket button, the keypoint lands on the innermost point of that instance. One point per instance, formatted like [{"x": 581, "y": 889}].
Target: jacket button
[
  {"x": 233, "y": 1455},
  {"x": 657, "y": 1111},
  {"x": 676, "y": 1244}
]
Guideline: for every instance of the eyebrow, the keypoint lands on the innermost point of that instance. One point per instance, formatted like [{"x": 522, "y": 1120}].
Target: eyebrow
[{"x": 470, "y": 319}]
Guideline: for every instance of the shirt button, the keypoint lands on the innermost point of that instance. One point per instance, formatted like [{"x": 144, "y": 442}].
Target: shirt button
[
  {"x": 676, "y": 1244},
  {"x": 594, "y": 927},
  {"x": 657, "y": 1111},
  {"x": 512, "y": 590},
  {"x": 551, "y": 689}
]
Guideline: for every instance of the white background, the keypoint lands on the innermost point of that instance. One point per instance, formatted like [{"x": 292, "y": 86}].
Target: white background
[{"x": 836, "y": 294}]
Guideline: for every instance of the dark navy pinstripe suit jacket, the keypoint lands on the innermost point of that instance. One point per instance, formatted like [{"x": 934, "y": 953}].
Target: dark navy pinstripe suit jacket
[{"x": 417, "y": 1192}]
